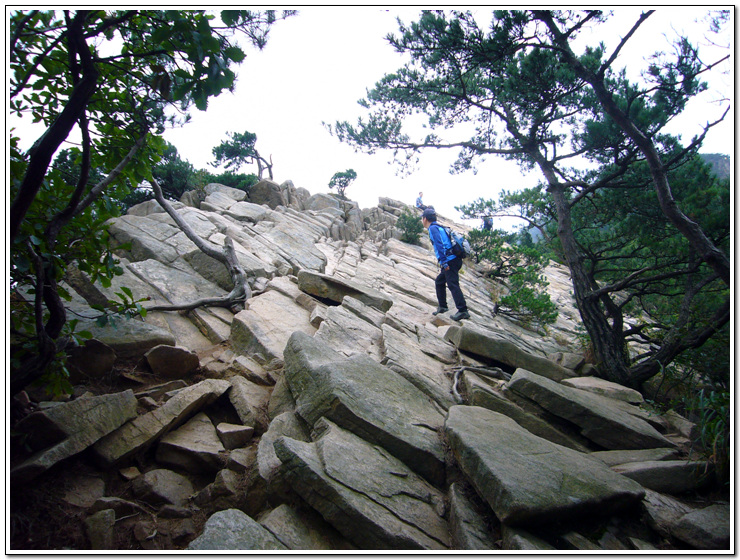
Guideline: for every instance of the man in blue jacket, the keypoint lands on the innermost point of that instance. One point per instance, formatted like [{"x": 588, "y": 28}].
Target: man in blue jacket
[
  {"x": 420, "y": 203},
  {"x": 449, "y": 266}
]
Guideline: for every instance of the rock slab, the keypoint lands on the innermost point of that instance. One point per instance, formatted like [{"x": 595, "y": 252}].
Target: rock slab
[
  {"x": 369, "y": 496},
  {"x": 476, "y": 341},
  {"x": 146, "y": 429},
  {"x": 707, "y": 528},
  {"x": 335, "y": 289},
  {"x": 232, "y": 529},
  {"x": 528, "y": 480},
  {"x": 194, "y": 447},
  {"x": 368, "y": 399},
  {"x": 70, "y": 428},
  {"x": 598, "y": 417}
]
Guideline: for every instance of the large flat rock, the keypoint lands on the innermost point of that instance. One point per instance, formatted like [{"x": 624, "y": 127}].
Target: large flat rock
[
  {"x": 349, "y": 334},
  {"x": 672, "y": 477},
  {"x": 622, "y": 456},
  {"x": 482, "y": 393},
  {"x": 179, "y": 285},
  {"x": 216, "y": 271},
  {"x": 405, "y": 355},
  {"x": 598, "y": 417},
  {"x": 148, "y": 237},
  {"x": 295, "y": 243},
  {"x": 606, "y": 388},
  {"x": 303, "y": 529},
  {"x": 369, "y": 496},
  {"x": 265, "y": 327},
  {"x": 129, "y": 338},
  {"x": 247, "y": 212},
  {"x": 707, "y": 528},
  {"x": 368, "y": 399},
  {"x": 475, "y": 341},
  {"x": 528, "y": 480}
]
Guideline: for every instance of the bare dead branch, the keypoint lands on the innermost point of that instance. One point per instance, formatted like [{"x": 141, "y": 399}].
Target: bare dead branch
[{"x": 239, "y": 295}]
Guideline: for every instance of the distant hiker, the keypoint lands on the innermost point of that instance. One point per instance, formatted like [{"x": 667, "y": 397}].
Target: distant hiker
[
  {"x": 487, "y": 223},
  {"x": 419, "y": 203},
  {"x": 449, "y": 266}
]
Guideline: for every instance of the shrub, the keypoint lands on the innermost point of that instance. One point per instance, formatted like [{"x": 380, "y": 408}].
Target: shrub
[
  {"x": 518, "y": 265},
  {"x": 410, "y": 226}
]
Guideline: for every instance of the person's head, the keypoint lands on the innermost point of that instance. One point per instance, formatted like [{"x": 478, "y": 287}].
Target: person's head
[
  {"x": 421, "y": 193},
  {"x": 429, "y": 216}
]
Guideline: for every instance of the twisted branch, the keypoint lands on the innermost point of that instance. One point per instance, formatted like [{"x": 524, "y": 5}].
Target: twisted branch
[{"x": 236, "y": 299}]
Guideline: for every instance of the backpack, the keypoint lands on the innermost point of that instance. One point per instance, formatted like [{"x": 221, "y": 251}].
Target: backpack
[{"x": 460, "y": 246}]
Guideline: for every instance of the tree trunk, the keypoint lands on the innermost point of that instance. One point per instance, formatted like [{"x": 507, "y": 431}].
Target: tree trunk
[
  {"x": 608, "y": 345},
  {"x": 46, "y": 146}
]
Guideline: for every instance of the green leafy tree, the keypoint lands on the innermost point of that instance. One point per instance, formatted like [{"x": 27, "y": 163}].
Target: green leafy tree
[
  {"x": 174, "y": 174},
  {"x": 241, "y": 181},
  {"x": 67, "y": 162},
  {"x": 240, "y": 150},
  {"x": 519, "y": 266},
  {"x": 341, "y": 180},
  {"x": 532, "y": 99},
  {"x": 410, "y": 226},
  {"x": 107, "y": 77}
]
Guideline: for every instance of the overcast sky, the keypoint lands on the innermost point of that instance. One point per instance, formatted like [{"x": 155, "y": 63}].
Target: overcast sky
[{"x": 318, "y": 64}]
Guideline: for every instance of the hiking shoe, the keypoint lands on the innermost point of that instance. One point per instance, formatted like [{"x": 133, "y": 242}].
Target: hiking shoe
[
  {"x": 440, "y": 310},
  {"x": 460, "y": 315}
]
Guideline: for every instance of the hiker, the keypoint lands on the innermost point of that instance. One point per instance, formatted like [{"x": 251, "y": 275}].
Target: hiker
[
  {"x": 419, "y": 203},
  {"x": 487, "y": 223},
  {"x": 449, "y": 266}
]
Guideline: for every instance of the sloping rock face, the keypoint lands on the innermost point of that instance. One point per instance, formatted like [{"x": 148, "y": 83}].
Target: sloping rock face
[{"x": 335, "y": 412}]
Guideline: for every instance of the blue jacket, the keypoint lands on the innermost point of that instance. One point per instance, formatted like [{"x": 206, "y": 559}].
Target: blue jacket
[{"x": 441, "y": 243}]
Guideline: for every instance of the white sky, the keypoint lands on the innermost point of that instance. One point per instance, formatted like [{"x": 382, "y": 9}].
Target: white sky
[
  {"x": 315, "y": 68},
  {"x": 319, "y": 63}
]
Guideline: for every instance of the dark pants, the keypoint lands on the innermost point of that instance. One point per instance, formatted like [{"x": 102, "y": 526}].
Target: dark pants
[{"x": 450, "y": 278}]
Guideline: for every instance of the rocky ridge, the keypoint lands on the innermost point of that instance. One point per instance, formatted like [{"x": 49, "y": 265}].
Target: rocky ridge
[{"x": 336, "y": 413}]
